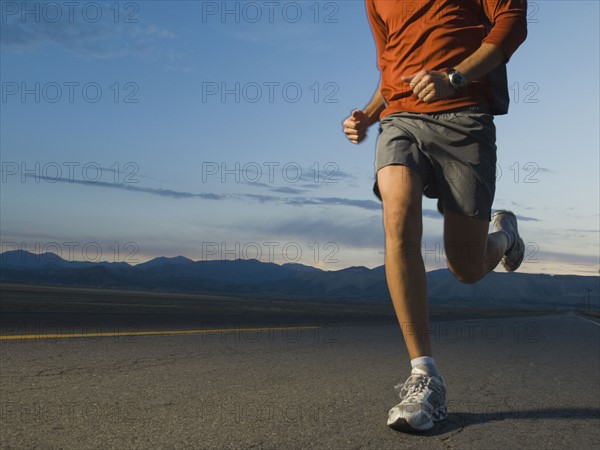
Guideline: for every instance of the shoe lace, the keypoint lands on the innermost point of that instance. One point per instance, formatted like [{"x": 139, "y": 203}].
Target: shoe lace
[{"x": 413, "y": 386}]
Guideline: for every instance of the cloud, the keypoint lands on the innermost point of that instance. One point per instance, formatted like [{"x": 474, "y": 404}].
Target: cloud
[
  {"x": 126, "y": 175},
  {"x": 336, "y": 201},
  {"x": 544, "y": 170},
  {"x": 370, "y": 205},
  {"x": 304, "y": 35},
  {"x": 132, "y": 187},
  {"x": 358, "y": 233},
  {"x": 328, "y": 174},
  {"x": 259, "y": 198},
  {"x": 533, "y": 256},
  {"x": 10, "y": 237},
  {"x": 364, "y": 204},
  {"x": 526, "y": 218},
  {"x": 278, "y": 190},
  {"x": 521, "y": 206},
  {"x": 84, "y": 31},
  {"x": 579, "y": 230},
  {"x": 287, "y": 190}
]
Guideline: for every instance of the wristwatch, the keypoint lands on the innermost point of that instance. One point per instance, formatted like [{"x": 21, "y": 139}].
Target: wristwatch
[{"x": 457, "y": 79}]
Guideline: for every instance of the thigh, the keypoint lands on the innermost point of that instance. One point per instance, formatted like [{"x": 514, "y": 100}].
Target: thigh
[
  {"x": 398, "y": 150},
  {"x": 401, "y": 189},
  {"x": 462, "y": 146}
]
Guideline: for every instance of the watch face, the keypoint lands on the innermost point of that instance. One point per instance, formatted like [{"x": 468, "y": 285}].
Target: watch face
[{"x": 457, "y": 79}]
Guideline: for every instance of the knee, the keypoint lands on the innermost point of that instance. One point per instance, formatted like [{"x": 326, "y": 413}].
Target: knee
[
  {"x": 466, "y": 274},
  {"x": 466, "y": 259},
  {"x": 402, "y": 222}
]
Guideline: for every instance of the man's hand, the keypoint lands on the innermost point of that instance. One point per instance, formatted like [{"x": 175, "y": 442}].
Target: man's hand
[
  {"x": 356, "y": 126},
  {"x": 430, "y": 85}
]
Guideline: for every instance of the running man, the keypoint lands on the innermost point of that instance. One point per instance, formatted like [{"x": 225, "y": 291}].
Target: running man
[{"x": 437, "y": 138}]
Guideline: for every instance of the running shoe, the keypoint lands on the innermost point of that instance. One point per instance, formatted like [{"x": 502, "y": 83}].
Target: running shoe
[
  {"x": 507, "y": 222},
  {"x": 423, "y": 402}
]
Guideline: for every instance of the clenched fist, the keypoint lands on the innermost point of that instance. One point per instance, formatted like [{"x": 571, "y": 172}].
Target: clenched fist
[
  {"x": 356, "y": 126},
  {"x": 430, "y": 85}
]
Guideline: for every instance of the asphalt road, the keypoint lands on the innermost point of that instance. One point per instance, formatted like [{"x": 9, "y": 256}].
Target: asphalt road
[{"x": 513, "y": 382}]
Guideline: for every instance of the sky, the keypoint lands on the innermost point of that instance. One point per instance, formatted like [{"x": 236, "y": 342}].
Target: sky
[{"x": 136, "y": 129}]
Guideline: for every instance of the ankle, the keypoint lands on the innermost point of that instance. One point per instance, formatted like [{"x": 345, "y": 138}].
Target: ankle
[{"x": 427, "y": 363}]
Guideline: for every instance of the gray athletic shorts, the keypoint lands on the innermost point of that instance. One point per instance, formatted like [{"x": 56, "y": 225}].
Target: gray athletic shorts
[{"x": 454, "y": 152}]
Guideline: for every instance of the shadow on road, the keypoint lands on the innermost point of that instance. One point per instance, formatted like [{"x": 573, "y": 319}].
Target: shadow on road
[{"x": 459, "y": 420}]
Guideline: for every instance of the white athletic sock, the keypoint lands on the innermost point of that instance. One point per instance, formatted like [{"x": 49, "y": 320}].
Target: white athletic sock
[{"x": 428, "y": 362}]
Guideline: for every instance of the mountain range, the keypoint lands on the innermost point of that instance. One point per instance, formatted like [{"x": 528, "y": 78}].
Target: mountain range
[{"x": 252, "y": 278}]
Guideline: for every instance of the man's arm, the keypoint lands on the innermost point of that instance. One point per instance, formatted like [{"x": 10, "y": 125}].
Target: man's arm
[
  {"x": 509, "y": 30},
  {"x": 375, "y": 107},
  {"x": 431, "y": 85},
  {"x": 485, "y": 58},
  {"x": 359, "y": 121}
]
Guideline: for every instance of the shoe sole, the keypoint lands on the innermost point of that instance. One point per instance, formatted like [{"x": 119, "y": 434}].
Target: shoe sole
[
  {"x": 511, "y": 266},
  {"x": 401, "y": 424}
]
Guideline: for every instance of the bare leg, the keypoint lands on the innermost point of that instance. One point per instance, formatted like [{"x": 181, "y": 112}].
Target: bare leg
[
  {"x": 471, "y": 252},
  {"x": 401, "y": 192}
]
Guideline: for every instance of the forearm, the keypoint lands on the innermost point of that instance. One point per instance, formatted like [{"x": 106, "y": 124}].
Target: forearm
[
  {"x": 483, "y": 60},
  {"x": 375, "y": 107}
]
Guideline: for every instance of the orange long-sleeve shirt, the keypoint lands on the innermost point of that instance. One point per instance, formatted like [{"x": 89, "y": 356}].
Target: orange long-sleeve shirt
[{"x": 412, "y": 35}]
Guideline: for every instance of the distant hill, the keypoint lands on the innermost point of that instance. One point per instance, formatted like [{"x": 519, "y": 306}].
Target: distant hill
[
  {"x": 255, "y": 278},
  {"x": 161, "y": 260}
]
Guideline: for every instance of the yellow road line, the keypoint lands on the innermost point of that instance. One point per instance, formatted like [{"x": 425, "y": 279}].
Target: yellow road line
[{"x": 150, "y": 333}]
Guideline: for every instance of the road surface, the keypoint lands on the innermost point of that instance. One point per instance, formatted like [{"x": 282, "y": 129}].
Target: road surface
[{"x": 513, "y": 382}]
